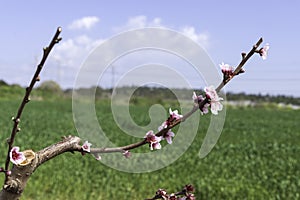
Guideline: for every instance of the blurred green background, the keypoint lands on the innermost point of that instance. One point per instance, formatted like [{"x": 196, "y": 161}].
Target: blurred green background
[{"x": 256, "y": 157}]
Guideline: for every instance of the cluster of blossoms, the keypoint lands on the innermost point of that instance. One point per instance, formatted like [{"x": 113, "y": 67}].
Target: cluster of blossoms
[
  {"x": 213, "y": 102},
  {"x": 212, "y": 98},
  {"x": 153, "y": 140},
  {"x": 185, "y": 194}
]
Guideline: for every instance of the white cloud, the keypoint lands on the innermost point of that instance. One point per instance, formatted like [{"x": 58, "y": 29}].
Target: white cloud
[
  {"x": 68, "y": 57},
  {"x": 84, "y": 23},
  {"x": 200, "y": 38},
  {"x": 71, "y": 53},
  {"x": 139, "y": 21},
  {"x": 142, "y": 21}
]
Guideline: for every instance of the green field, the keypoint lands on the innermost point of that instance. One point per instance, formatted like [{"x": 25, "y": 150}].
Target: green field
[{"x": 256, "y": 157}]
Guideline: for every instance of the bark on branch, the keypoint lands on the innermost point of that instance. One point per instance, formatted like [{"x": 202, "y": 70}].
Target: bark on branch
[{"x": 15, "y": 184}]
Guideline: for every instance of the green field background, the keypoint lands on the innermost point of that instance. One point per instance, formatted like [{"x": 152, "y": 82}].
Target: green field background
[{"x": 256, "y": 157}]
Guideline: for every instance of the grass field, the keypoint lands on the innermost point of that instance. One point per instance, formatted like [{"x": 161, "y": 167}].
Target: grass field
[{"x": 256, "y": 157}]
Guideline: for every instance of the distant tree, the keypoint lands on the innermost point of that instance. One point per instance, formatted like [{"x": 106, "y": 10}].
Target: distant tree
[
  {"x": 3, "y": 83},
  {"x": 50, "y": 86}
]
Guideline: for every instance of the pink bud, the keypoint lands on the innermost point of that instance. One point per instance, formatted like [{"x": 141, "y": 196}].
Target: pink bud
[
  {"x": 126, "y": 154},
  {"x": 8, "y": 173},
  {"x": 86, "y": 146}
]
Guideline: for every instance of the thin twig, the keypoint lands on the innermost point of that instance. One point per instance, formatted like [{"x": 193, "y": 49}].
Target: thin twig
[
  {"x": 245, "y": 58},
  {"x": 162, "y": 132},
  {"x": 26, "y": 98}
]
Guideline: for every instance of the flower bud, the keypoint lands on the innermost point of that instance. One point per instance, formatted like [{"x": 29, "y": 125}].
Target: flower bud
[{"x": 8, "y": 172}]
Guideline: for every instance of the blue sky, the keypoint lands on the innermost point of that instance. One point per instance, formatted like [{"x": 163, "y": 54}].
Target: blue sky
[{"x": 223, "y": 28}]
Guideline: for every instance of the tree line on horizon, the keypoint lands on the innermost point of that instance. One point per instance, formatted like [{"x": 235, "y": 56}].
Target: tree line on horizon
[{"x": 53, "y": 90}]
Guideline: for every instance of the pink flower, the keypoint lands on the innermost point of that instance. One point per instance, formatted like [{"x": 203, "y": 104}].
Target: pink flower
[
  {"x": 155, "y": 145},
  {"x": 16, "y": 157},
  {"x": 198, "y": 100},
  {"x": 190, "y": 197},
  {"x": 189, "y": 188},
  {"x": 169, "y": 135},
  {"x": 153, "y": 140},
  {"x": 86, "y": 146},
  {"x": 226, "y": 69},
  {"x": 97, "y": 156},
  {"x": 204, "y": 110},
  {"x": 126, "y": 154},
  {"x": 215, "y": 104},
  {"x": 161, "y": 193},
  {"x": 263, "y": 52},
  {"x": 211, "y": 93},
  {"x": 172, "y": 196},
  {"x": 163, "y": 125},
  {"x": 174, "y": 114}
]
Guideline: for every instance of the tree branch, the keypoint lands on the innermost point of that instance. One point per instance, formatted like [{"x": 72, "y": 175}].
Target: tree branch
[
  {"x": 68, "y": 144},
  {"x": 26, "y": 98},
  {"x": 245, "y": 58},
  {"x": 16, "y": 181},
  {"x": 196, "y": 106}
]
